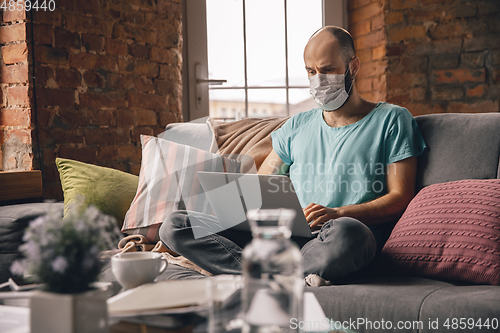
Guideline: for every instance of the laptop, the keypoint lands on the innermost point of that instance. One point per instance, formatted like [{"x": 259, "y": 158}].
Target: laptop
[{"x": 231, "y": 195}]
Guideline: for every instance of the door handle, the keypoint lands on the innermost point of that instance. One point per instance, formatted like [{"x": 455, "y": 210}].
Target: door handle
[
  {"x": 211, "y": 81},
  {"x": 200, "y": 81}
]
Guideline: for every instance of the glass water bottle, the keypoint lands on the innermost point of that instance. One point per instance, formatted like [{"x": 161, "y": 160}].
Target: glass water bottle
[{"x": 272, "y": 272}]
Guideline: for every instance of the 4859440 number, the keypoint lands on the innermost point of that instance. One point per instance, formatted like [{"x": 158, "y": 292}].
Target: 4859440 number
[
  {"x": 28, "y": 5},
  {"x": 470, "y": 323}
]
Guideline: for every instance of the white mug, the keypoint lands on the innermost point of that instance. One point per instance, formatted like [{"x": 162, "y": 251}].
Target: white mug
[{"x": 132, "y": 269}]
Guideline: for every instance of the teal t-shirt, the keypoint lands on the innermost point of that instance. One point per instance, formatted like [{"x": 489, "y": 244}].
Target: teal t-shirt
[{"x": 339, "y": 166}]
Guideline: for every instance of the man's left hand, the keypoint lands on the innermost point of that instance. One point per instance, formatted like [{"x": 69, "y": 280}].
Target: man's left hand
[{"x": 317, "y": 215}]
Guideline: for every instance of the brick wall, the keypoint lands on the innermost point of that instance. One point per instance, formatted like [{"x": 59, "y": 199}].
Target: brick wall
[
  {"x": 105, "y": 73},
  {"x": 443, "y": 55},
  {"x": 430, "y": 56},
  {"x": 15, "y": 106},
  {"x": 366, "y": 25}
]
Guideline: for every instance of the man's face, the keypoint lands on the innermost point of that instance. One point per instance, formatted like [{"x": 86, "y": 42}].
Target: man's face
[{"x": 321, "y": 55}]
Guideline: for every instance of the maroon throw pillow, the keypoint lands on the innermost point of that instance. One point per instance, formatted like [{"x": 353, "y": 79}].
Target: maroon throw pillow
[{"x": 450, "y": 231}]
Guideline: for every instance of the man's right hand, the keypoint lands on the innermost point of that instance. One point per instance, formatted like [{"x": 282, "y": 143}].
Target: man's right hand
[{"x": 317, "y": 215}]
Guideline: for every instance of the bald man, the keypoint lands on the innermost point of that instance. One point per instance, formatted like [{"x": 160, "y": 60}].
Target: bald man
[{"x": 352, "y": 163}]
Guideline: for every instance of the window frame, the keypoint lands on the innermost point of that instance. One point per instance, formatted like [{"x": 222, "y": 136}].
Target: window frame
[{"x": 195, "y": 96}]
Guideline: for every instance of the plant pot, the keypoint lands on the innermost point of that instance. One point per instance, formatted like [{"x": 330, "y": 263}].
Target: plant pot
[{"x": 69, "y": 313}]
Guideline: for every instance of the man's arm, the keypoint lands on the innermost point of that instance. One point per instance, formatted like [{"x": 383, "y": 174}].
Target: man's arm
[
  {"x": 401, "y": 177},
  {"x": 273, "y": 165}
]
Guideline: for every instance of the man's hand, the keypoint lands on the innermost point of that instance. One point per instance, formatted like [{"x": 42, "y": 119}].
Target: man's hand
[
  {"x": 317, "y": 215},
  {"x": 387, "y": 208}
]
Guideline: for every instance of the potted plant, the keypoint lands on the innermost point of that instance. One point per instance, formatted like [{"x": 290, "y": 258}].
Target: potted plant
[{"x": 62, "y": 254}]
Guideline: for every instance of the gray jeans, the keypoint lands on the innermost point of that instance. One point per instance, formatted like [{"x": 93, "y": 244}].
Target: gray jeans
[{"x": 342, "y": 247}]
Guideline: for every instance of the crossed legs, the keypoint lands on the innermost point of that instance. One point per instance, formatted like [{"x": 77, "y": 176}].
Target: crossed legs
[{"x": 342, "y": 247}]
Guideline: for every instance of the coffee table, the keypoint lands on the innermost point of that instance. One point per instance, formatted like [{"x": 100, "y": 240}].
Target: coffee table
[
  {"x": 15, "y": 318},
  {"x": 180, "y": 324},
  {"x": 192, "y": 320}
]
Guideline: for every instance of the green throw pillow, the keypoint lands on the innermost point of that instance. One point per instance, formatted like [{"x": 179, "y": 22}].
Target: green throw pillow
[{"x": 110, "y": 190}]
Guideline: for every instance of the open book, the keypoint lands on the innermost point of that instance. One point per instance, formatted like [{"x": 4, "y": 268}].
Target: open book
[
  {"x": 181, "y": 296},
  {"x": 160, "y": 297}
]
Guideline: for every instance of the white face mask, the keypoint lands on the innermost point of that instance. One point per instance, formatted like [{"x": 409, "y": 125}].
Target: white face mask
[{"x": 329, "y": 90}]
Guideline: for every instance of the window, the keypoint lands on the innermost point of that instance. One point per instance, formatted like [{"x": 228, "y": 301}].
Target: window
[{"x": 257, "y": 46}]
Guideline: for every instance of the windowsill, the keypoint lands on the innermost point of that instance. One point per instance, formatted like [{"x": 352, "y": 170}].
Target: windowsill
[{"x": 16, "y": 185}]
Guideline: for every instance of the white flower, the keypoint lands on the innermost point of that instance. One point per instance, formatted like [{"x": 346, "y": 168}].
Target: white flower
[
  {"x": 31, "y": 249},
  {"x": 81, "y": 225},
  {"x": 58, "y": 247},
  {"x": 92, "y": 213},
  {"x": 59, "y": 264},
  {"x": 38, "y": 222},
  {"x": 17, "y": 268}
]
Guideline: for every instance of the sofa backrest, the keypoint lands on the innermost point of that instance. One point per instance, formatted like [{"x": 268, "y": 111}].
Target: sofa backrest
[{"x": 460, "y": 146}]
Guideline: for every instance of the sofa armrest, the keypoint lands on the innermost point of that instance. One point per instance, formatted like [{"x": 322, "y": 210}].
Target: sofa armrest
[{"x": 13, "y": 221}]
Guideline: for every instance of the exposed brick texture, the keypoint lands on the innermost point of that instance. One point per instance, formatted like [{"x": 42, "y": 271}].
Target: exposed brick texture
[
  {"x": 366, "y": 24},
  {"x": 104, "y": 72},
  {"x": 443, "y": 55},
  {"x": 431, "y": 56},
  {"x": 15, "y": 104}
]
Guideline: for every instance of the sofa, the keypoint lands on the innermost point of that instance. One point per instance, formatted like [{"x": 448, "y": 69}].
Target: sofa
[{"x": 382, "y": 298}]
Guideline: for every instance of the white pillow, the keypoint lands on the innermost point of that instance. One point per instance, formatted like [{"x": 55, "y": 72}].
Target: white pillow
[{"x": 168, "y": 182}]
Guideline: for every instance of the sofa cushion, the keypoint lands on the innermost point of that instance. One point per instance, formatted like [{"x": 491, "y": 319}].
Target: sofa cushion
[
  {"x": 168, "y": 182},
  {"x": 408, "y": 301},
  {"x": 108, "y": 189},
  {"x": 460, "y": 146},
  {"x": 375, "y": 299},
  {"x": 445, "y": 307},
  {"x": 13, "y": 220},
  {"x": 450, "y": 231},
  {"x": 196, "y": 134}
]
